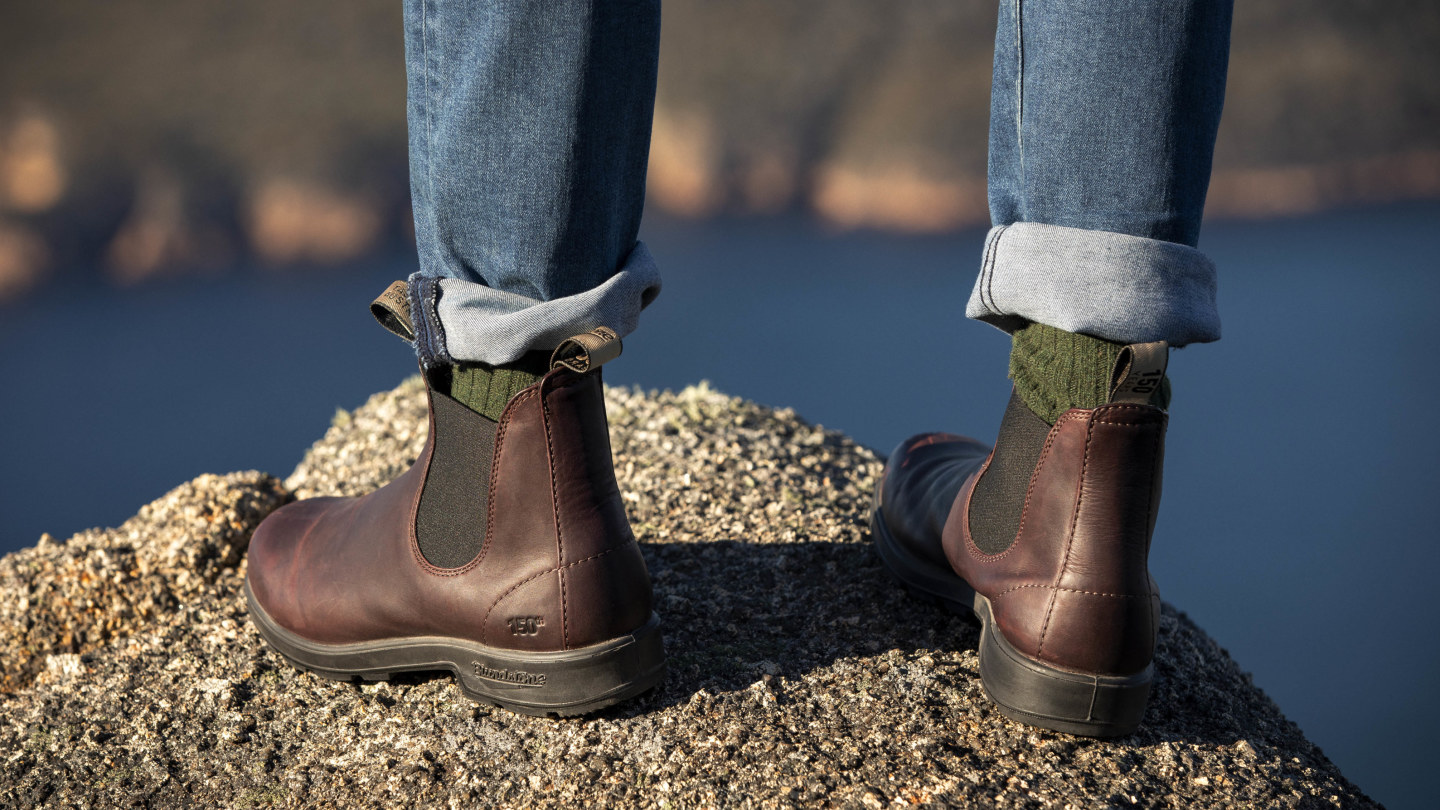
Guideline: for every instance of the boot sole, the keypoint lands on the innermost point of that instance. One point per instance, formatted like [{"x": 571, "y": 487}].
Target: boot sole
[
  {"x": 555, "y": 684},
  {"x": 1024, "y": 689}
]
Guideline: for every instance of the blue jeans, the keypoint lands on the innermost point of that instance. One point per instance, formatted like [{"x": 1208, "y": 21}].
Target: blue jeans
[
  {"x": 529, "y": 133},
  {"x": 530, "y": 124},
  {"x": 1102, "y": 125}
]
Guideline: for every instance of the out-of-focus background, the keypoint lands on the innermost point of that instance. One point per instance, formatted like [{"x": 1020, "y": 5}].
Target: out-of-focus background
[
  {"x": 197, "y": 200},
  {"x": 145, "y": 138}
]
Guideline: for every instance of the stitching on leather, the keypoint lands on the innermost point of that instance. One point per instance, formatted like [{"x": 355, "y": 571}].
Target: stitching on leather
[
  {"x": 1025, "y": 508},
  {"x": 564, "y": 612},
  {"x": 1069, "y": 536},
  {"x": 567, "y": 379},
  {"x": 970, "y": 546},
  {"x": 555, "y": 513},
  {"x": 501, "y": 598},
  {"x": 1073, "y": 590},
  {"x": 490, "y": 507},
  {"x": 507, "y": 415},
  {"x": 1125, "y": 409},
  {"x": 500, "y": 430},
  {"x": 414, "y": 536}
]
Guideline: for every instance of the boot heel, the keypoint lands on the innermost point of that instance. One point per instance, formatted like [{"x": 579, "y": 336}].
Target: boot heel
[
  {"x": 560, "y": 684},
  {"x": 567, "y": 682},
  {"x": 1030, "y": 692}
]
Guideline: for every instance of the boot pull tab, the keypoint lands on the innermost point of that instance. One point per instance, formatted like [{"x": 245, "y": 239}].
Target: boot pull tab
[
  {"x": 1138, "y": 372},
  {"x": 392, "y": 310},
  {"x": 587, "y": 351}
]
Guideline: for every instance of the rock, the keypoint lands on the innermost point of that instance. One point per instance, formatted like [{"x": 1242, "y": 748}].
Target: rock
[
  {"x": 800, "y": 673},
  {"x": 175, "y": 562}
]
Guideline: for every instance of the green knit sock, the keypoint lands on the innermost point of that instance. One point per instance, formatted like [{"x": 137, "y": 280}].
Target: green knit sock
[
  {"x": 1055, "y": 371},
  {"x": 486, "y": 389}
]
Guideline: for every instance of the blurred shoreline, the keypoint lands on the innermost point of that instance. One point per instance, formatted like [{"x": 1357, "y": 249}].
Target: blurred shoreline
[
  {"x": 294, "y": 226},
  {"x": 273, "y": 134}
]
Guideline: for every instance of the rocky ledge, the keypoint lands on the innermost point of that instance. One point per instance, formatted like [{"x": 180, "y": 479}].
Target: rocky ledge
[{"x": 800, "y": 673}]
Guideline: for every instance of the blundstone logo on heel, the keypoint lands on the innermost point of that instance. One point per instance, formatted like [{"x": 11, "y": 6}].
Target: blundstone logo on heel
[
  {"x": 526, "y": 625},
  {"x": 518, "y": 677}
]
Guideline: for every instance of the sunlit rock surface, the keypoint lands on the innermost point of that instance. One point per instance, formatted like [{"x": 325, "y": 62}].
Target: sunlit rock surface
[{"x": 800, "y": 674}]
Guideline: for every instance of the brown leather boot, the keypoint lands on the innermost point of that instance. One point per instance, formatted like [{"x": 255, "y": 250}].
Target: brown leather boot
[
  {"x": 502, "y": 555},
  {"x": 1058, "y": 577}
]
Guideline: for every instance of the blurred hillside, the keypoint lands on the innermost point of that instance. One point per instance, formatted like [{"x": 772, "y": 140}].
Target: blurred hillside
[{"x": 140, "y": 137}]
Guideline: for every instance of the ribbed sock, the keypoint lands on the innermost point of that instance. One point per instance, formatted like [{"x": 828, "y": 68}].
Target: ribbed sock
[
  {"x": 1055, "y": 371},
  {"x": 486, "y": 389}
]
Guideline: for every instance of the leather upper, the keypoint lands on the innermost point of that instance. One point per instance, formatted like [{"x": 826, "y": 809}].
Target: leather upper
[
  {"x": 1073, "y": 590},
  {"x": 922, "y": 479},
  {"x": 559, "y": 567}
]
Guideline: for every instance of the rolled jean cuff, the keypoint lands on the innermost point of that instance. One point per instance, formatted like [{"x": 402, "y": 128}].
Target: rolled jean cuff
[
  {"x": 1123, "y": 288},
  {"x": 465, "y": 321}
]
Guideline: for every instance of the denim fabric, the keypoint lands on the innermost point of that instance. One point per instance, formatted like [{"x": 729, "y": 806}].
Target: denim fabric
[
  {"x": 1103, "y": 118},
  {"x": 529, "y": 127},
  {"x": 493, "y": 326},
  {"x": 1123, "y": 288},
  {"x": 529, "y": 131}
]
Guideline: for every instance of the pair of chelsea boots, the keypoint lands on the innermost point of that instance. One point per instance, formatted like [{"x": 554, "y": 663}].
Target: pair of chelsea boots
[{"x": 504, "y": 555}]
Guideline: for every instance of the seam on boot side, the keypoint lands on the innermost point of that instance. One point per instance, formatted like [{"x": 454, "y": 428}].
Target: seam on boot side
[
  {"x": 1069, "y": 538},
  {"x": 484, "y": 622},
  {"x": 564, "y": 380},
  {"x": 1072, "y": 590},
  {"x": 555, "y": 515}
]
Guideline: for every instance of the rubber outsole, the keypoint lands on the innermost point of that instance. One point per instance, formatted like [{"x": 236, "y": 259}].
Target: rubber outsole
[
  {"x": 1025, "y": 690},
  {"x": 543, "y": 684}
]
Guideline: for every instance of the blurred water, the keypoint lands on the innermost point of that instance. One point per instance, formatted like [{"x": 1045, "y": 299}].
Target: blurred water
[{"x": 1300, "y": 459}]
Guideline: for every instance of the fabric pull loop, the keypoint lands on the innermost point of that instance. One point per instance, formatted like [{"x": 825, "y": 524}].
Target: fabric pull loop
[
  {"x": 1138, "y": 372},
  {"x": 392, "y": 310},
  {"x": 587, "y": 351}
]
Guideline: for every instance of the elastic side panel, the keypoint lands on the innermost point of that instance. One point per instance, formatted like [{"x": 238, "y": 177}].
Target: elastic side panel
[
  {"x": 999, "y": 498},
  {"x": 450, "y": 524}
]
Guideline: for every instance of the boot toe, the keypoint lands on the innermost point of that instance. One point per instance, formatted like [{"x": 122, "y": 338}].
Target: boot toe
[
  {"x": 274, "y": 556},
  {"x": 922, "y": 478}
]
